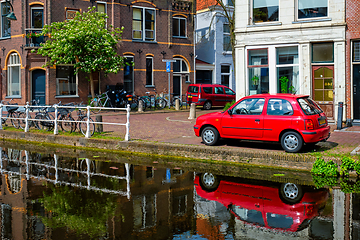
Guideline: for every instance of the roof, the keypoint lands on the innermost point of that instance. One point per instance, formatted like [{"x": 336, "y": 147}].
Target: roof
[
  {"x": 198, "y": 61},
  {"x": 203, "y": 4}
]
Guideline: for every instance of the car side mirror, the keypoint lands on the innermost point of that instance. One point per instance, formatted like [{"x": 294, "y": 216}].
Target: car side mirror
[{"x": 230, "y": 112}]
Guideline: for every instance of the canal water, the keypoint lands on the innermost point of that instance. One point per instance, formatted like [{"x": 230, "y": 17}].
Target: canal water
[{"x": 66, "y": 194}]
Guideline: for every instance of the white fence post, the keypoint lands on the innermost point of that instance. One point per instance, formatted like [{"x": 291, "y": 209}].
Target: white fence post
[
  {"x": 87, "y": 135},
  {"x": 1, "y": 114},
  {"x": 56, "y": 130},
  {"x": 27, "y": 117},
  {"x": 127, "y": 135}
]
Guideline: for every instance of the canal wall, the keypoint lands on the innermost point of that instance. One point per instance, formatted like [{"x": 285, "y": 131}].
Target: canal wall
[{"x": 215, "y": 154}]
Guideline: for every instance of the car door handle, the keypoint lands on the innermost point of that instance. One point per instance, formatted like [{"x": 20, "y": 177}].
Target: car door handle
[
  {"x": 257, "y": 205},
  {"x": 257, "y": 121}
]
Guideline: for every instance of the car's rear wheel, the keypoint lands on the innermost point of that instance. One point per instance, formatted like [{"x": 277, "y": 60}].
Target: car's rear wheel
[
  {"x": 291, "y": 192},
  {"x": 209, "y": 181},
  {"x": 210, "y": 136},
  {"x": 207, "y": 105},
  {"x": 292, "y": 142}
]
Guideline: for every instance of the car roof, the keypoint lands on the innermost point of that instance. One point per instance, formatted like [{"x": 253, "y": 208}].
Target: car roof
[
  {"x": 207, "y": 85},
  {"x": 278, "y": 95}
]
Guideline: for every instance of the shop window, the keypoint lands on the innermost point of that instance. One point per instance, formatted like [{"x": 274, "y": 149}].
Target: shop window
[
  {"x": 265, "y": 10},
  {"x": 312, "y": 9},
  {"x": 225, "y": 75},
  {"x": 66, "y": 81},
  {"x": 287, "y": 61},
  {"x": 323, "y": 52},
  {"x": 258, "y": 71},
  {"x": 14, "y": 75}
]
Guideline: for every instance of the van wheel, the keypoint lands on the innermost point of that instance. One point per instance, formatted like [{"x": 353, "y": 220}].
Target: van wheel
[
  {"x": 207, "y": 105},
  {"x": 210, "y": 136},
  {"x": 292, "y": 142}
]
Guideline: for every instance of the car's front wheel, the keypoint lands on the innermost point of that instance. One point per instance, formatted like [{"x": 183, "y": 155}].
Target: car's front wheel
[
  {"x": 210, "y": 136},
  {"x": 292, "y": 142},
  {"x": 209, "y": 181},
  {"x": 291, "y": 192}
]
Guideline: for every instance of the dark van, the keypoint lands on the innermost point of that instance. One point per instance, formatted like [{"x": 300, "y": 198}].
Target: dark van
[{"x": 208, "y": 95}]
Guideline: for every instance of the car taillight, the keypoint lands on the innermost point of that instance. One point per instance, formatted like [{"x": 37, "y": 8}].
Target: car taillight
[
  {"x": 309, "y": 209},
  {"x": 309, "y": 125}
]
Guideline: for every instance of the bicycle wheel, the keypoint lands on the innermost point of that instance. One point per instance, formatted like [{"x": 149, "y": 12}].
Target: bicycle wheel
[
  {"x": 134, "y": 104},
  {"x": 161, "y": 103},
  {"x": 97, "y": 102},
  {"x": 22, "y": 123},
  {"x": 82, "y": 126},
  {"x": 174, "y": 102},
  {"x": 15, "y": 122},
  {"x": 43, "y": 125},
  {"x": 67, "y": 126}
]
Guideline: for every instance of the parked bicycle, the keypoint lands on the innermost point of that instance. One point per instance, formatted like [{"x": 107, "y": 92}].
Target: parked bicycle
[
  {"x": 64, "y": 115},
  {"x": 100, "y": 100},
  {"x": 12, "y": 113},
  {"x": 31, "y": 123},
  {"x": 173, "y": 100},
  {"x": 152, "y": 101}
]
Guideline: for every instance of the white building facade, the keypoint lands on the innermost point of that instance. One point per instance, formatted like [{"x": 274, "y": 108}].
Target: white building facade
[{"x": 292, "y": 46}]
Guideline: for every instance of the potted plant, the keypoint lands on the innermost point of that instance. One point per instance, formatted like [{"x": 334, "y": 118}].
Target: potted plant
[{"x": 255, "y": 80}]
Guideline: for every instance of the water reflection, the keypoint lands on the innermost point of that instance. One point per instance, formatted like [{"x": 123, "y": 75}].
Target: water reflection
[{"x": 49, "y": 196}]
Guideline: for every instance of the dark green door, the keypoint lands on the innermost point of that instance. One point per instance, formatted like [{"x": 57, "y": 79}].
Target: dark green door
[
  {"x": 38, "y": 86},
  {"x": 356, "y": 90}
]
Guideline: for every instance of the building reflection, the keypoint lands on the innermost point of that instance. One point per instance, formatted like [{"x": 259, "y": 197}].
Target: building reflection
[{"x": 135, "y": 201}]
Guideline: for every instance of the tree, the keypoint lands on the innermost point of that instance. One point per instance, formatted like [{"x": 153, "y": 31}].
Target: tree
[{"x": 86, "y": 42}]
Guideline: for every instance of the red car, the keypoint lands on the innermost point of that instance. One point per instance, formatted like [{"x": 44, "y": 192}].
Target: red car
[
  {"x": 208, "y": 95},
  {"x": 291, "y": 119},
  {"x": 287, "y": 206}
]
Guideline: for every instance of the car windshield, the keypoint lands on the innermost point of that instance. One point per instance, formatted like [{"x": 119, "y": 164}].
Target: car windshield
[
  {"x": 193, "y": 89},
  {"x": 309, "y": 107}
]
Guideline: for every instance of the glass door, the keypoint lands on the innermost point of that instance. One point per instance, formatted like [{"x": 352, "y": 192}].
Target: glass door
[{"x": 323, "y": 88}]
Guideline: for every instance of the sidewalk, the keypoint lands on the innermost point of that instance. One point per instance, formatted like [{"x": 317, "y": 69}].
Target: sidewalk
[{"x": 170, "y": 126}]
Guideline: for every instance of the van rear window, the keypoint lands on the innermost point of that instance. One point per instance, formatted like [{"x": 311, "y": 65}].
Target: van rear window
[
  {"x": 193, "y": 89},
  {"x": 207, "y": 89}
]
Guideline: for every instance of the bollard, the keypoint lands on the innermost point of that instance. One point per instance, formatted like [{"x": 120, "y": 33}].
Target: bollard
[
  {"x": 192, "y": 111},
  {"x": 177, "y": 104},
  {"x": 98, "y": 126},
  {"x": 340, "y": 114},
  {"x": 141, "y": 106}
]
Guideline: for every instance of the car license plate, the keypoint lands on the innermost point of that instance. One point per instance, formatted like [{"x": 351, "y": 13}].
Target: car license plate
[
  {"x": 130, "y": 99},
  {"x": 322, "y": 122},
  {"x": 190, "y": 96}
]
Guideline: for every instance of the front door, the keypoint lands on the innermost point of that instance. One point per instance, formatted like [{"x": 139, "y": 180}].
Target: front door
[
  {"x": 323, "y": 89},
  {"x": 176, "y": 85},
  {"x": 356, "y": 91},
  {"x": 38, "y": 86}
]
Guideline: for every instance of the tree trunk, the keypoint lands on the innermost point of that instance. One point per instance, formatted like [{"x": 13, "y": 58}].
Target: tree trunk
[{"x": 92, "y": 86}]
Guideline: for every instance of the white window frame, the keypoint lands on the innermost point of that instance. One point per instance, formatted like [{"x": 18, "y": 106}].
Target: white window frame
[
  {"x": 309, "y": 19},
  {"x": 31, "y": 20},
  {"x": 152, "y": 71},
  {"x": 226, "y": 74},
  {"x": 143, "y": 30},
  {"x": 261, "y": 23},
  {"x": 180, "y": 19},
  {"x": 227, "y": 34},
  {"x": 181, "y": 71},
  {"x": 104, "y": 3},
  {"x": 13, "y": 61},
  {"x": 272, "y": 65},
  {"x": 58, "y": 95}
]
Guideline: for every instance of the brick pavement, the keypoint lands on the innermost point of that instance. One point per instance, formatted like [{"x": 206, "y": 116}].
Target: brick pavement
[{"x": 175, "y": 127}]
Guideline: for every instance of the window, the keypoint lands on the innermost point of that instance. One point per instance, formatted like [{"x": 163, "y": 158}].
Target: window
[
  {"x": 356, "y": 51},
  {"x": 179, "y": 27},
  {"x": 143, "y": 18},
  {"x": 144, "y": 211},
  {"x": 312, "y": 9},
  {"x": 287, "y": 65},
  {"x": 37, "y": 17},
  {"x": 14, "y": 75},
  {"x": 225, "y": 75},
  {"x": 219, "y": 90},
  {"x": 149, "y": 71},
  {"x": 180, "y": 66},
  {"x": 66, "y": 81},
  {"x": 226, "y": 38},
  {"x": 71, "y": 13},
  {"x": 265, "y": 11},
  {"x": 322, "y": 52},
  {"x": 279, "y": 107},
  {"x": 250, "y": 106},
  {"x": 101, "y": 7},
  {"x": 5, "y": 23},
  {"x": 258, "y": 71},
  {"x": 207, "y": 90},
  {"x": 231, "y": 3},
  {"x": 129, "y": 74},
  {"x": 323, "y": 84}
]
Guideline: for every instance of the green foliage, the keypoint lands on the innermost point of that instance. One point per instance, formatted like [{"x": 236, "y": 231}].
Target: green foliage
[
  {"x": 85, "y": 212},
  {"x": 321, "y": 181},
  {"x": 322, "y": 168},
  {"x": 284, "y": 84},
  {"x": 347, "y": 164},
  {"x": 228, "y": 105},
  {"x": 349, "y": 186},
  {"x": 85, "y": 41}
]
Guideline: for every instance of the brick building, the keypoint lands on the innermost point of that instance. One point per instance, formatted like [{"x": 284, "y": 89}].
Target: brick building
[
  {"x": 352, "y": 61},
  {"x": 153, "y": 31}
]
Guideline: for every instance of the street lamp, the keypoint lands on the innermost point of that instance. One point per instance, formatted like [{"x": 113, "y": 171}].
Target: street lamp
[{"x": 11, "y": 16}]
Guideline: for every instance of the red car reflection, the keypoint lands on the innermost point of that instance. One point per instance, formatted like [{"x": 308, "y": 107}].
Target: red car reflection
[{"x": 290, "y": 207}]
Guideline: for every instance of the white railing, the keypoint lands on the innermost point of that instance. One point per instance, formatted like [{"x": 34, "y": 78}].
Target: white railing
[{"x": 56, "y": 121}]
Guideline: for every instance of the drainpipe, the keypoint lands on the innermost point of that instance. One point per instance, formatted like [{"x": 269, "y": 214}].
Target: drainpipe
[{"x": 195, "y": 56}]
